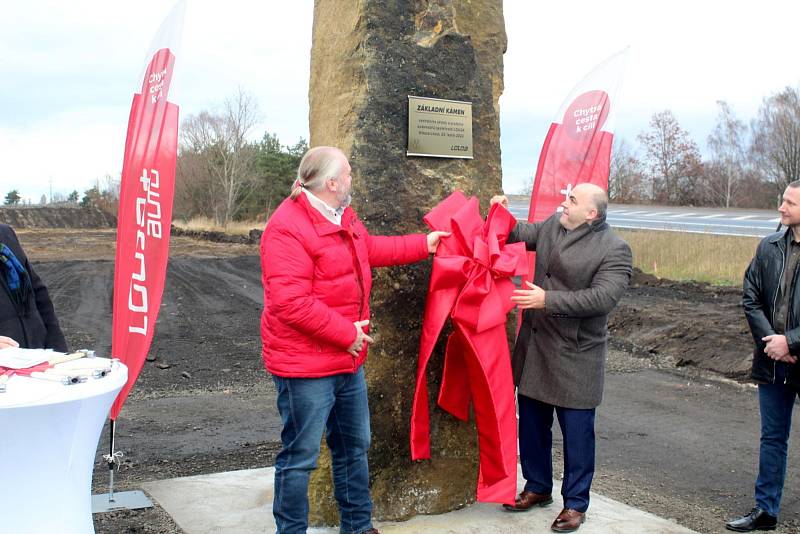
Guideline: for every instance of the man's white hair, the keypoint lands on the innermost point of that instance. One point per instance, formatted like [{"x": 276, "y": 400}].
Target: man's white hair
[{"x": 318, "y": 164}]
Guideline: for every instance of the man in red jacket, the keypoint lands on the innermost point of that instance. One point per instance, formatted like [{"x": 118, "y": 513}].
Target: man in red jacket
[{"x": 316, "y": 260}]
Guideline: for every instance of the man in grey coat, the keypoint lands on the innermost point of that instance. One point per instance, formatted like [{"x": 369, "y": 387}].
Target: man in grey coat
[{"x": 582, "y": 270}]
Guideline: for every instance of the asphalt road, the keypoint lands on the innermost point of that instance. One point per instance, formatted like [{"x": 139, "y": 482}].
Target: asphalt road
[
  {"x": 754, "y": 223},
  {"x": 685, "y": 447}
]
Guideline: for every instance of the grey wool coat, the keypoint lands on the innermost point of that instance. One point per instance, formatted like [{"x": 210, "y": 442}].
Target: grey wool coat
[{"x": 559, "y": 357}]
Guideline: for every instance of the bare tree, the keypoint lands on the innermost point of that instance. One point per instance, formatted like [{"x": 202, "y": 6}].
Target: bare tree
[
  {"x": 625, "y": 181},
  {"x": 754, "y": 190},
  {"x": 727, "y": 145},
  {"x": 195, "y": 189},
  {"x": 527, "y": 186},
  {"x": 672, "y": 160},
  {"x": 217, "y": 162},
  {"x": 111, "y": 186},
  {"x": 776, "y": 138}
]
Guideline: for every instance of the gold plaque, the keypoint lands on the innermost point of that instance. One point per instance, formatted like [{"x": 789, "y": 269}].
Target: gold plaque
[{"x": 439, "y": 128}]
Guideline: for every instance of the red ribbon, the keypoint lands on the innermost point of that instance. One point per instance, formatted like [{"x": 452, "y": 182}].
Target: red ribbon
[
  {"x": 40, "y": 368},
  {"x": 470, "y": 283}
]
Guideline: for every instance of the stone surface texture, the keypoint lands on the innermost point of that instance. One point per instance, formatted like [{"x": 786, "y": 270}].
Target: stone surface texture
[{"x": 367, "y": 57}]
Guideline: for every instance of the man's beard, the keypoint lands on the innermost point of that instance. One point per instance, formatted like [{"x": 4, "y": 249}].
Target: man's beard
[{"x": 343, "y": 197}]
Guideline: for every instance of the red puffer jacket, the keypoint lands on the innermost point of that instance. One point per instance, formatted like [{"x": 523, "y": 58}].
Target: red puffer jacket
[{"x": 317, "y": 279}]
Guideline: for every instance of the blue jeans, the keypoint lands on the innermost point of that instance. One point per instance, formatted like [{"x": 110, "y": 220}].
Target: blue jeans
[
  {"x": 338, "y": 405},
  {"x": 536, "y": 450},
  {"x": 775, "y": 402}
]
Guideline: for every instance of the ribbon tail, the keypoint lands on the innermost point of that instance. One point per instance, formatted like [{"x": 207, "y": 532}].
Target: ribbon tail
[
  {"x": 437, "y": 309},
  {"x": 420, "y": 440},
  {"x": 454, "y": 393},
  {"x": 489, "y": 367}
]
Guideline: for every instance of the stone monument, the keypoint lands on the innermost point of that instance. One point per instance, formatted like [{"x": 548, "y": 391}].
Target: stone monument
[{"x": 367, "y": 57}]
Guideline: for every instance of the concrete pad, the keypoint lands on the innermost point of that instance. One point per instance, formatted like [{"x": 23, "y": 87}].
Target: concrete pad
[{"x": 241, "y": 502}]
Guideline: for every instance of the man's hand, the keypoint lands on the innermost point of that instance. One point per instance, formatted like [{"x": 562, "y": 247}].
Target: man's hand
[
  {"x": 361, "y": 338},
  {"x": 499, "y": 199},
  {"x": 434, "y": 238},
  {"x": 7, "y": 342},
  {"x": 778, "y": 349},
  {"x": 529, "y": 298}
]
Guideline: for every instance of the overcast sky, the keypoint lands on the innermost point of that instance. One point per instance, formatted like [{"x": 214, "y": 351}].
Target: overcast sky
[{"x": 69, "y": 70}]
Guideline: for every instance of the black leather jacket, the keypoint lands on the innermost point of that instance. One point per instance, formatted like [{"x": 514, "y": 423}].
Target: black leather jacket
[
  {"x": 37, "y": 327},
  {"x": 760, "y": 290}
]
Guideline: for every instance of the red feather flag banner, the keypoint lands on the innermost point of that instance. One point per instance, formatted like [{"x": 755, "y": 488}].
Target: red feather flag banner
[
  {"x": 577, "y": 148},
  {"x": 145, "y": 206}
]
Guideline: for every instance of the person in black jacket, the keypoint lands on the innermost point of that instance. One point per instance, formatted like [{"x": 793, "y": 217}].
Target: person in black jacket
[
  {"x": 771, "y": 302},
  {"x": 27, "y": 317}
]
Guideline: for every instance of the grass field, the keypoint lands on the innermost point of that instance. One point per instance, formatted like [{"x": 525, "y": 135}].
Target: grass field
[
  {"x": 719, "y": 260},
  {"x": 207, "y": 224}
]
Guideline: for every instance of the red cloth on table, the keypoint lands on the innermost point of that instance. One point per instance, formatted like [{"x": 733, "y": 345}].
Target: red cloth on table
[{"x": 40, "y": 368}]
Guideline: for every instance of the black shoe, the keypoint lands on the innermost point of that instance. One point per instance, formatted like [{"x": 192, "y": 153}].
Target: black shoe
[{"x": 757, "y": 519}]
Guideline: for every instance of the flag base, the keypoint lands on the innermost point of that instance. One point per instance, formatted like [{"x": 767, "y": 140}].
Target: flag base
[{"x": 123, "y": 500}]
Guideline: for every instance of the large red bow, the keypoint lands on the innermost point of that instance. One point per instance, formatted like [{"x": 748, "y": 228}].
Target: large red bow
[{"x": 470, "y": 283}]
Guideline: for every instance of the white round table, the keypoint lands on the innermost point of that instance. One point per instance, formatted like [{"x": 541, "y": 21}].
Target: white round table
[{"x": 48, "y": 439}]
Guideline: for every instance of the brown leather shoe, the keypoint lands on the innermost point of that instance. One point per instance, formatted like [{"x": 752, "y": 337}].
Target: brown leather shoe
[
  {"x": 568, "y": 520},
  {"x": 372, "y": 531},
  {"x": 527, "y": 500}
]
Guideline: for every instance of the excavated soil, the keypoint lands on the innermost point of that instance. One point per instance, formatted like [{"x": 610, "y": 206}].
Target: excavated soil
[
  {"x": 203, "y": 402},
  {"x": 693, "y": 325}
]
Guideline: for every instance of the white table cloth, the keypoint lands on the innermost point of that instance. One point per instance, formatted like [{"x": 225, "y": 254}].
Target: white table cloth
[{"x": 48, "y": 439}]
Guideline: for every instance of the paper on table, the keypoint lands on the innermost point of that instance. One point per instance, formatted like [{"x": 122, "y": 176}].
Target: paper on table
[{"x": 17, "y": 358}]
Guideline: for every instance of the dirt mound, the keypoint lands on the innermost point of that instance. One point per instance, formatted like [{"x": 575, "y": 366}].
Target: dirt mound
[
  {"x": 690, "y": 323},
  {"x": 678, "y": 323},
  {"x": 253, "y": 238},
  {"x": 641, "y": 278},
  {"x": 56, "y": 217}
]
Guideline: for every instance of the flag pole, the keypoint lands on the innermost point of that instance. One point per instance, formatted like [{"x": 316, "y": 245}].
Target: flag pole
[
  {"x": 125, "y": 500},
  {"x": 145, "y": 209},
  {"x": 111, "y": 461}
]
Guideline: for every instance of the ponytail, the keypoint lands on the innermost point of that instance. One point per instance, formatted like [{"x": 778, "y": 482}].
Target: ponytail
[{"x": 296, "y": 188}]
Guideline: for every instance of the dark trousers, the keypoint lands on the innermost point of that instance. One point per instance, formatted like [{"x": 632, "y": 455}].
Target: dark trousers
[
  {"x": 536, "y": 444},
  {"x": 776, "y": 402}
]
